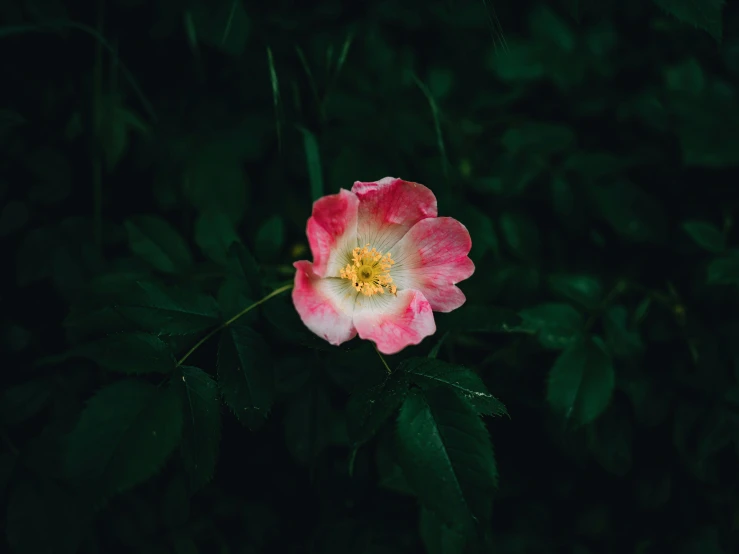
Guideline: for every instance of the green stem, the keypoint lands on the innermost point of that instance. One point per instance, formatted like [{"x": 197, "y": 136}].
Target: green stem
[
  {"x": 387, "y": 367},
  {"x": 228, "y": 322}
]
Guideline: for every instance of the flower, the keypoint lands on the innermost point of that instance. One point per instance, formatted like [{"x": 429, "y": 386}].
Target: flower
[{"x": 383, "y": 262}]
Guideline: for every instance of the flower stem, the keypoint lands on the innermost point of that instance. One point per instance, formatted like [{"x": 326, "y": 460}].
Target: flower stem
[
  {"x": 387, "y": 367},
  {"x": 228, "y": 322}
]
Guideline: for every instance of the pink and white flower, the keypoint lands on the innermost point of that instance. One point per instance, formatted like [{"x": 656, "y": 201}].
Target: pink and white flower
[{"x": 382, "y": 263}]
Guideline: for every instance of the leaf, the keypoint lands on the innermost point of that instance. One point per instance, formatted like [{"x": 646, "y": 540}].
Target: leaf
[
  {"x": 369, "y": 407},
  {"x": 428, "y": 373},
  {"x": 201, "y": 432},
  {"x": 215, "y": 182},
  {"x": 168, "y": 311},
  {"x": 437, "y": 537},
  {"x": 704, "y": 14},
  {"x": 306, "y": 424},
  {"x": 686, "y": 77},
  {"x": 21, "y": 402},
  {"x": 706, "y": 235},
  {"x": 233, "y": 299},
  {"x": 215, "y": 234},
  {"x": 223, "y": 25},
  {"x": 157, "y": 242},
  {"x": 723, "y": 271},
  {"x": 548, "y": 27},
  {"x": 270, "y": 239},
  {"x": 522, "y": 235},
  {"x": 483, "y": 232},
  {"x": 124, "y": 435},
  {"x": 621, "y": 338},
  {"x": 245, "y": 374},
  {"x": 581, "y": 381},
  {"x": 631, "y": 212},
  {"x": 242, "y": 263},
  {"x": 556, "y": 324},
  {"x": 583, "y": 289},
  {"x": 447, "y": 458},
  {"x": 129, "y": 353},
  {"x": 482, "y": 319},
  {"x": 610, "y": 441},
  {"x": 313, "y": 161},
  {"x": 538, "y": 139}
]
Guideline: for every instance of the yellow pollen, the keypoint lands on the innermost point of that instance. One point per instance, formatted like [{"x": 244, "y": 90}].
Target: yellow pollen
[{"x": 369, "y": 271}]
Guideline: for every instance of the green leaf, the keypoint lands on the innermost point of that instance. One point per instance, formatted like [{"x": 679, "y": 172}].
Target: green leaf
[
  {"x": 521, "y": 62},
  {"x": 307, "y": 423},
  {"x": 129, "y": 353},
  {"x": 201, "y": 432},
  {"x": 557, "y": 325},
  {"x": 270, "y": 239},
  {"x": 621, "y": 338},
  {"x": 157, "y": 242},
  {"x": 233, "y": 299},
  {"x": 723, "y": 271},
  {"x": 631, "y": 212},
  {"x": 389, "y": 473},
  {"x": 610, "y": 440},
  {"x": 521, "y": 234},
  {"x": 704, "y": 14},
  {"x": 428, "y": 373},
  {"x": 581, "y": 381},
  {"x": 472, "y": 318},
  {"x": 593, "y": 166},
  {"x": 245, "y": 374},
  {"x": 583, "y": 289},
  {"x": 215, "y": 234},
  {"x": 537, "y": 139},
  {"x": 313, "y": 161},
  {"x": 21, "y": 402},
  {"x": 223, "y": 25},
  {"x": 447, "y": 458},
  {"x": 551, "y": 29},
  {"x": 242, "y": 263},
  {"x": 124, "y": 435},
  {"x": 215, "y": 182},
  {"x": 685, "y": 78},
  {"x": 706, "y": 235},
  {"x": 369, "y": 408},
  {"x": 168, "y": 311},
  {"x": 437, "y": 537}
]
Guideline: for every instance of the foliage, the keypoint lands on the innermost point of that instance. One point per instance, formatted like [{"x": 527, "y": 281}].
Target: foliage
[{"x": 158, "y": 162}]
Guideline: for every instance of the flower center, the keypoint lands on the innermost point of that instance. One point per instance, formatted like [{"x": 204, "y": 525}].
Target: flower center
[{"x": 369, "y": 271}]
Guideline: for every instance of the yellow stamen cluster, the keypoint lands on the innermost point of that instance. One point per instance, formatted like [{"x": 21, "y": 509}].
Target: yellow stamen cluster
[{"x": 369, "y": 271}]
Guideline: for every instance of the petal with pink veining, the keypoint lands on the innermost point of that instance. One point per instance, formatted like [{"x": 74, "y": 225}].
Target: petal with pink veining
[
  {"x": 432, "y": 257},
  {"x": 388, "y": 208},
  {"x": 325, "y": 305},
  {"x": 332, "y": 231},
  {"x": 394, "y": 322}
]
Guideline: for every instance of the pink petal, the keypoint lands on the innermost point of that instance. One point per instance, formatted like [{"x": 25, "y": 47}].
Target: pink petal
[
  {"x": 332, "y": 231},
  {"x": 394, "y": 322},
  {"x": 432, "y": 257},
  {"x": 324, "y": 305},
  {"x": 388, "y": 208}
]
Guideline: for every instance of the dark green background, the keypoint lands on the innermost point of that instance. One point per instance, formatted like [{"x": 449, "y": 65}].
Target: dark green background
[{"x": 158, "y": 162}]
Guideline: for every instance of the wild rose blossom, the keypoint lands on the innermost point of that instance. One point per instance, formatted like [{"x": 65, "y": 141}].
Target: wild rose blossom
[{"x": 382, "y": 263}]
